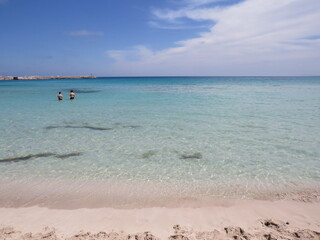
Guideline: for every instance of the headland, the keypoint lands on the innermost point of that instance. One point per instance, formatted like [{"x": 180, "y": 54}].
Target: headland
[{"x": 44, "y": 77}]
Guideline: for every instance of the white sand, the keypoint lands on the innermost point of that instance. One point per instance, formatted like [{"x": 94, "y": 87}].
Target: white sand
[{"x": 159, "y": 221}]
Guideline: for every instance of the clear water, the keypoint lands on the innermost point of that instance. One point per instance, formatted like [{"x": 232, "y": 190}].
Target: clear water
[{"x": 144, "y": 139}]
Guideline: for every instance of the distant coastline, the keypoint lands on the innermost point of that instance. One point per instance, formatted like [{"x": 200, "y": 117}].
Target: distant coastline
[{"x": 44, "y": 77}]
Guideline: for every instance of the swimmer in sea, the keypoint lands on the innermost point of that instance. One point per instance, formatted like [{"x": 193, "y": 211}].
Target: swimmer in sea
[
  {"x": 60, "y": 96},
  {"x": 72, "y": 95}
]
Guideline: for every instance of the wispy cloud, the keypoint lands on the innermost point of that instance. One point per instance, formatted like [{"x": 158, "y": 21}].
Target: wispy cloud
[
  {"x": 3, "y": 1},
  {"x": 136, "y": 53},
  {"x": 248, "y": 38},
  {"x": 84, "y": 33},
  {"x": 175, "y": 26}
]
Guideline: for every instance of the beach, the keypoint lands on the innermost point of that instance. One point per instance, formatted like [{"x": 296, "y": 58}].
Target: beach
[
  {"x": 158, "y": 158},
  {"x": 160, "y": 120},
  {"x": 228, "y": 219}
]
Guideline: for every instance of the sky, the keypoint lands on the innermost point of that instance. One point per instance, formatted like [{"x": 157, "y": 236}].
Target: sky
[{"x": 160, "y": 37}]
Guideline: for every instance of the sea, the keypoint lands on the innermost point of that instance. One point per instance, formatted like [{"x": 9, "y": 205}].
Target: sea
[{"x": 158, "y": 141}]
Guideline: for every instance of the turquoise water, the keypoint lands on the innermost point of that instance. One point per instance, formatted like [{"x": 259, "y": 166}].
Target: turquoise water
[{"x": 135, "y": 139}]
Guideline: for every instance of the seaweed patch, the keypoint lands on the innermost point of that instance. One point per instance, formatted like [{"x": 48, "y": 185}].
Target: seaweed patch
[
  {"x": 63, "y": 156},
  {"x": 91, "y": 127},
  {"x": 87, "y": 127},
  {"x": 87, "y": 91},
  {"x": 131, "y": 126},
  {"x": 148, "y": 154},
  {"x": 51, "y": 127},
  {"x": 83, "y": 90},
  {"x": 27, "y": 157},
  {"x": 196, "y": 155},
  {"x": 40, "y": 155}
]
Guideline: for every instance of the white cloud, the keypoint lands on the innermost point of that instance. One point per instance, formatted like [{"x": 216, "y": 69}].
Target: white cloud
[
  {"x": 255, "y": 37},
  {"x": 83, "y": 33}
]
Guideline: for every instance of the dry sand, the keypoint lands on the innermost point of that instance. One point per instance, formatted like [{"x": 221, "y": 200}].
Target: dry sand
[{"x": 226, "y": 219}]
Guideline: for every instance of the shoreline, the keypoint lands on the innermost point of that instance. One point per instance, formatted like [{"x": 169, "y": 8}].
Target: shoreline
[
  {"x": 45, "y": 77},
  {"x": 255, "y": 218},
  {"x": 71, "y": 194}
]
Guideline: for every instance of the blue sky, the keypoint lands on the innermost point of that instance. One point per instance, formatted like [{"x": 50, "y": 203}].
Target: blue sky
[{"x": 157, "y": 38}]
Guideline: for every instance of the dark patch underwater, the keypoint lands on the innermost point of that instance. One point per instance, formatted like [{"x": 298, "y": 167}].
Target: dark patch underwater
[
  {"x": 196, "y": 155},
  {"x": 83, "y": 90},
  {"x": 87, "y": 127},
  {"x": 40, "y": 155},
  {"x": 148, "y": 154}
]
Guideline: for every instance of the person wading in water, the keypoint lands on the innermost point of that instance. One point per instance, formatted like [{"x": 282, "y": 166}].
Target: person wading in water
[
  {"x": 60, "y": 96},
  {"x": 72, "y": 95}
]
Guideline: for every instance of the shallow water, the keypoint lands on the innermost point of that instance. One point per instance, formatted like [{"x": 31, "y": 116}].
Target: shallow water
[{"x": 233, "y": 137}]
